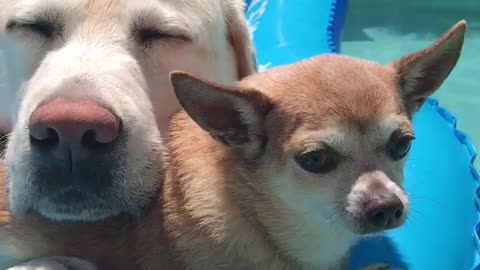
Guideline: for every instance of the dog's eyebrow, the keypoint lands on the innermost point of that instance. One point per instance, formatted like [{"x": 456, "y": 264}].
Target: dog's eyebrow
[
  {"x": 394, "y": 123},
  {"x": 315, "y": 139},
  {"x": 163, "y": 22},
  {"x": 51, "y": 16}
]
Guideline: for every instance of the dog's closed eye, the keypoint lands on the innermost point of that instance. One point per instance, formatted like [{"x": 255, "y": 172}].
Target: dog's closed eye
[
  {"x": 148, "y": 35},
  {"x": 156, "y": 25},
  {"x": 48, "y": 24},
  {"x": 43, "y": 27}
]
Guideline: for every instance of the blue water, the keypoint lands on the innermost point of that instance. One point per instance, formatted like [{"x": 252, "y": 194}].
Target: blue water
[{"x": 382, "y": 31}]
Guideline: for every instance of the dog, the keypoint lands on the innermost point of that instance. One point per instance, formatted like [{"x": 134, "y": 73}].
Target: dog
[
  {"x": 286, "y": 169},
  {"x": 86, "y": 123},
  {"x": 97, "y": 92}
]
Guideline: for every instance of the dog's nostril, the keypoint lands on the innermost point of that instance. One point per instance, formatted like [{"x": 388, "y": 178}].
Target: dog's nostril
[
  {"x": 398, "y": 213},
  {"x": 48, "y": 138},
  {"x": 379, "y": 218},
  {"x": 385, "y": 214},
  {"x": 90, "y": 141}
]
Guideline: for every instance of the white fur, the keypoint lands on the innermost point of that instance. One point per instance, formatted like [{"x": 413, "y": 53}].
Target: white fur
[
  {"x": 97, "y": 57},
  {"x": 317, "y": 221}
]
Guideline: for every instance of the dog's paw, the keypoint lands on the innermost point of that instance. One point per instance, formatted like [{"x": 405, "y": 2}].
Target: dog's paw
[
  {"x": 379, "y": 266},
  {"x": 55, "y": 263}
]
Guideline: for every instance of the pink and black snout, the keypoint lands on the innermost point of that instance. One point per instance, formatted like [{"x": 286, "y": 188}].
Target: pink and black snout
[
  {"x": 74, "y": 142},
  {"x": 81, "y": 126},
  {"x": 376, "y": 203},
  {"x": 383, "y": 214}
]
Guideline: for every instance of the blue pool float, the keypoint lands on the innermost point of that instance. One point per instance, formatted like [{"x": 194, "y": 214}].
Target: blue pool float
[{"x": 442, "y": 231}]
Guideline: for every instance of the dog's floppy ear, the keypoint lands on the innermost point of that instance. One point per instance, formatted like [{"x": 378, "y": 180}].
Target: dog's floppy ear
[
  {"x": 231, "y": 115},
  {"x": 239, "y": 37},
  {"x": 420, "y": 74}
]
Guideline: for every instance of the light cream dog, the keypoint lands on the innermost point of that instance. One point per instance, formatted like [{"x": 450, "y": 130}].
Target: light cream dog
[
  {"x": 97, "y": 87},
  {"x": 285, "y": 170},
  {"x": 85, "y": 124}
]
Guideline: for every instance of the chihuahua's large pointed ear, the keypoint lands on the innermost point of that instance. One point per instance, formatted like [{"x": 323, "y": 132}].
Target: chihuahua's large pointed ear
[
  {"x": 239, "y": 38},
  {"x": 233, "y": 116},
  {"x": 420, "y": 74}
]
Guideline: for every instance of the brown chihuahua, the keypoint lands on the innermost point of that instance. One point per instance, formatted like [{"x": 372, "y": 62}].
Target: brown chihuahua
[{"x": 290, "y": 167}]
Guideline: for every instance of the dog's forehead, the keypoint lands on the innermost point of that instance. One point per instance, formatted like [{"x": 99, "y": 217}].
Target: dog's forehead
[
  {"x": 109, "y": 8},
  {"x": 198, "y": 20},
  {"x": 348, "y": 138},
  {"x": 332, "y": 88},
  {"x": 334, "y": 93}
]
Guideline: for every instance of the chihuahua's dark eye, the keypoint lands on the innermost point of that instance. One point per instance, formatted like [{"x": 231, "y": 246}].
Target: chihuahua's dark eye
[
  {"x": 399, "y": 146},
  {"x": 44, "y": 28},
  {"x": 318, "y": 161}
]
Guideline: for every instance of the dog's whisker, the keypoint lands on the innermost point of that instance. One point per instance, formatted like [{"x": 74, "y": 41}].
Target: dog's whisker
[
  {"x": 138, "y": 177},
  {"x": 410, "y": 221},
  {"x": 27, "y": 179},
  {"x": 4, "y": 139},
  {"x": 423, "y": 198},
  {"x": 416, "y": 212}
]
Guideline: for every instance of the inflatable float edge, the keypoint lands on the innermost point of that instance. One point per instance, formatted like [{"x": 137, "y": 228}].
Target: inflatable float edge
[
  {"x": 464, "y": 140},
  {"x": 338, "y": 9}
]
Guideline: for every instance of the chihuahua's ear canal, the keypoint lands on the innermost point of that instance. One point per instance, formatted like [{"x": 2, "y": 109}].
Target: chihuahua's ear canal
[
  {"x": 231, "y": 115},
  {"x": 420, "y": 74}
]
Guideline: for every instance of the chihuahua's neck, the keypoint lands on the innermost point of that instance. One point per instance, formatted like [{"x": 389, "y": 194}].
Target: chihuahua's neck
[
  {"x": 212, "y": 210},
  {"x": 208, "y": 205}
]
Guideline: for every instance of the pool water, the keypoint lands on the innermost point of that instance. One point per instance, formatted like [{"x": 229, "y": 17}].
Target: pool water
[{"x": 383, "y": 31}]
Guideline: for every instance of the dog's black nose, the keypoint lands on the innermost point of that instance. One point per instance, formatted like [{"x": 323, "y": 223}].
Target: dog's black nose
[{"x": 385, "y": 213}]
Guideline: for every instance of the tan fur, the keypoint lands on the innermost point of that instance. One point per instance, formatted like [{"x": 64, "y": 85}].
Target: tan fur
[
  {"x": 223, "y": 209},
  {"x": 4, "y": 212},
  {"x": 232, "y": 195}
]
